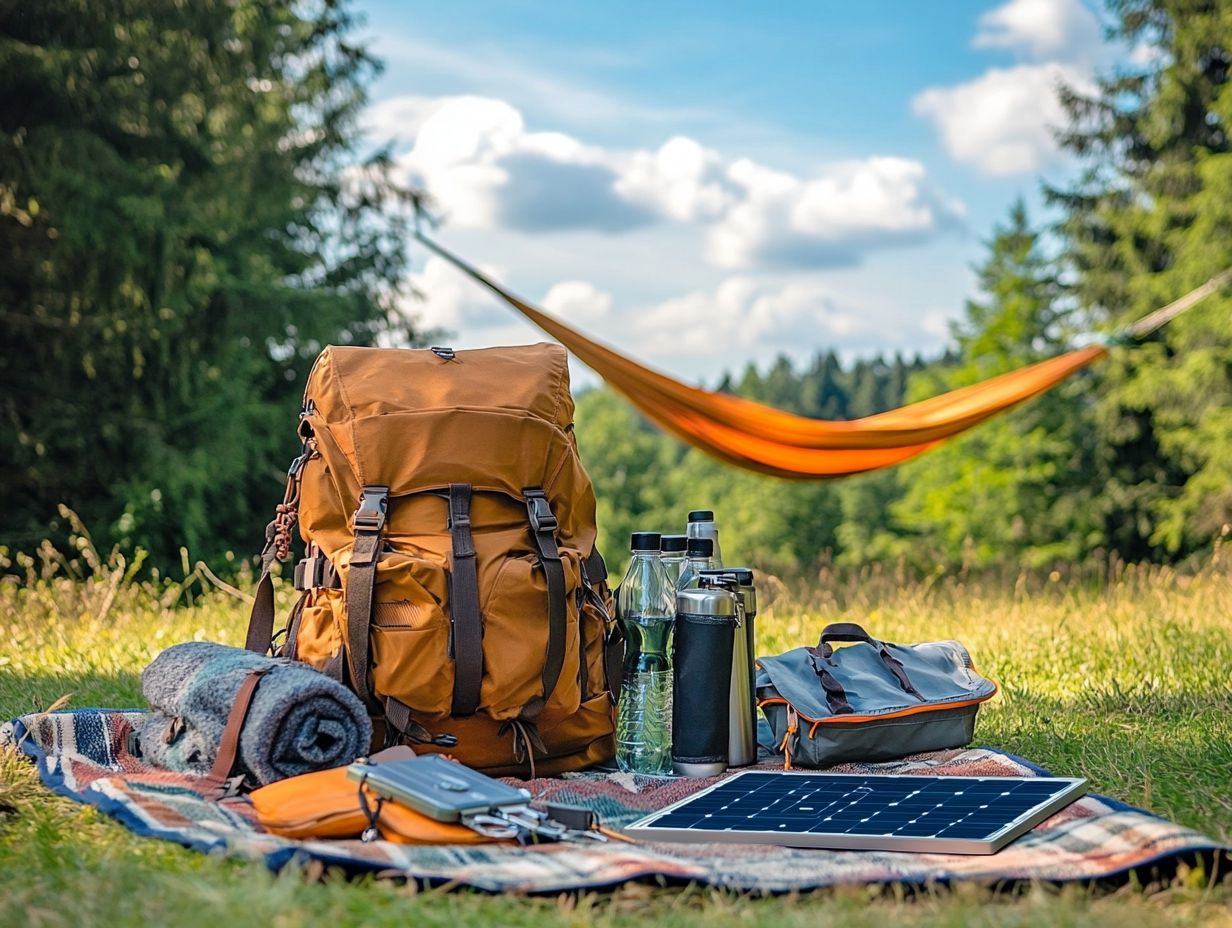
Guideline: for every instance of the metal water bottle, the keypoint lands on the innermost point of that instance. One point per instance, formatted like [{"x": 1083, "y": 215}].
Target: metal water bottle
[
  {"x": 705, "y": 633},
  {"x": 742, "y": 717}
]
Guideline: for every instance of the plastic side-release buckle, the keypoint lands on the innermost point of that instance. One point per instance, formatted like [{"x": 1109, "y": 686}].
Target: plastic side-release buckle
[
  {"x": 539, "y": 511},
  {"x": 373, "y": 503}
]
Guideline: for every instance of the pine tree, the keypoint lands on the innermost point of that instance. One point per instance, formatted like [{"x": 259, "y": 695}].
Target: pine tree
[
  {"x": 1148, "y": 220},
  {"x": 1017, "y": 487},
  {"x": 184, "y": 223},
  {"x": 827, "y": 399}
]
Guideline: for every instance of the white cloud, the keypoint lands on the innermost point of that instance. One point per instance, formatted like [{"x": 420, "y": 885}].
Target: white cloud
[
  {"x": 682, "y": 180},
  {"x": 1058, "y": 30},
  {"x": 577, "y": 302},
  {"x": 448, "y": 300},
  {"x": 1003, "y": 121},
  {"x": 743, "y": 316},
  {"x": 485, "y": 169},
  {"x": 829, "y": 219},
  {"x": 398, "y": 120}
]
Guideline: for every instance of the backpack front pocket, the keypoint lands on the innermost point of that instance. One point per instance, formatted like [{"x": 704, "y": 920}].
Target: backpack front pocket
[
  {"x": 517, "y": 638},
  {"x": 410, "y": 635}
]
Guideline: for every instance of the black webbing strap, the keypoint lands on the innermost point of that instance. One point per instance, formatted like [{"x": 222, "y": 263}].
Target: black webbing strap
[
  {"x": 464, "y": 604},
  {"x": 542, "y": 527},
  {"x": 398, "y": 718},
  {"x": 850, "y": 631},
  {"x": 596, "y": 569},
  {"x": 261, "y": 620},
  {"x": 836, "y": 696},
  {"x": 260, "y": 637},
  {"x": 368, "y": 523},
  {"x": 290, "y": 645},
  {"x": 316, "y": 572}
]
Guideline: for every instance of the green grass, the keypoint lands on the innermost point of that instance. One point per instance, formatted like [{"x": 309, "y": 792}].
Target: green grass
[{"x": 1123, "y": 679}]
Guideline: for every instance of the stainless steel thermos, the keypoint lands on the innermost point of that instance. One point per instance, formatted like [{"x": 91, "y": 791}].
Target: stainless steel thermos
[
  {"x": 742, "y": 706},
  {"x": 704, "y": 637}
]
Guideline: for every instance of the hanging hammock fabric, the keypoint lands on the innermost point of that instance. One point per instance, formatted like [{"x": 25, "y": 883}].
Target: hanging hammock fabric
[{"x": 761, "y": 438}]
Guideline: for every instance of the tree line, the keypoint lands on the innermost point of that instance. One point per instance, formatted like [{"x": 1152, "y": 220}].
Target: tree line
[{"x": 188, "y": 214}]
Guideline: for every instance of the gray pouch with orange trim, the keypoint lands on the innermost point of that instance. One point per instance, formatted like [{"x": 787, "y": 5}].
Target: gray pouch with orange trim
[{"x": 870, "y": 701}]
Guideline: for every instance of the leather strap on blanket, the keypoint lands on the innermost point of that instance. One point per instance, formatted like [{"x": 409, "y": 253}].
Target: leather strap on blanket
[
  {"x": 369, "y": 524},
  {"x": 219, "y": 777}
]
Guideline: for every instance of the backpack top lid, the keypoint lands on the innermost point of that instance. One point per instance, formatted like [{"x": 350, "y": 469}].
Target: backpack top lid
[
  {"x": 349, "y": 383},
  {"x": 415, "y": 421}
]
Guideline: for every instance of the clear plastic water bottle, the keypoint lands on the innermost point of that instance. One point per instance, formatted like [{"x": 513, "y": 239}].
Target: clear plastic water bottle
[
  {"x": 701, "y": 525},
  {"x": 699, "y": 557},
  {"x": 646, "y": 606},
  {"x": 671, "y": 554}
]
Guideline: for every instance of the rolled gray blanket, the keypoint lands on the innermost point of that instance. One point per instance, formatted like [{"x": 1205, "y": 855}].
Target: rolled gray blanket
[{"x": 299, "y": 720}]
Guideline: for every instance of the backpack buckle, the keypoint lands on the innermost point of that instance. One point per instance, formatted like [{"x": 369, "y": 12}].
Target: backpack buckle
[
  {"x": 539, "y": 511},
  {"x": 370, "y": 516}
]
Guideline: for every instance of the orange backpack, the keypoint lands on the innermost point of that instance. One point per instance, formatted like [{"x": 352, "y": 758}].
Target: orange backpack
[{"x": 450, "y": 577}]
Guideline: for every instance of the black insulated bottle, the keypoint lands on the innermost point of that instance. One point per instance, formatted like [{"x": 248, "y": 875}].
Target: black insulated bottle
[{"x": 702, "y": 668}]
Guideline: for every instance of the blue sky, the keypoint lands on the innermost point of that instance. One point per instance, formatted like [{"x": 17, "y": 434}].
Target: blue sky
[{"x": 705, "y": 185}]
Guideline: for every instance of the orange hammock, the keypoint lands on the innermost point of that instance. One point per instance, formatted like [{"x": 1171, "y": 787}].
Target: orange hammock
[{"x": 761, "y": 438}]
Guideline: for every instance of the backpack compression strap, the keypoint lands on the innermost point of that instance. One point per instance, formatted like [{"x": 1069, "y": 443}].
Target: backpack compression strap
[
  {"x": 542, "y": 525},
  {"x": 464, "y": 604},
  {"x": 368, "y": 523}
]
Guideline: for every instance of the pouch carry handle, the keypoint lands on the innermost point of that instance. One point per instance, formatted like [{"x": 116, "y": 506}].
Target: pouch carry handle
[{"x": 850, "y": 631}]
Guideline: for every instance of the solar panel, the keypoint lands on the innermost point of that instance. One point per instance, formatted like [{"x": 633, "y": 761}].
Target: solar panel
[{"x": 939, "y": 814}]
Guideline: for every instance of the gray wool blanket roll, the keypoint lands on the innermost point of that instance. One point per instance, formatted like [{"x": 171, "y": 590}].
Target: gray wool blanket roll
[{"x": 299, "y": 720}]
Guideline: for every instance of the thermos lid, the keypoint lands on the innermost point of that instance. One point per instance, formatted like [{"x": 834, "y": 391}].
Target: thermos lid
[
  {"x": 673, "y": 543},
  {"x": 742, "y": 575},
  {"x": 701, "y": 515},
  {"x": 644, "y": 541},
  {"x": 709, "y": 602},
  {"x": 701, "y": 547}
]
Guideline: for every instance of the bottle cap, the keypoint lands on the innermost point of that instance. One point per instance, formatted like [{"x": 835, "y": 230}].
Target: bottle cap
[
  {"x": 673, "y": 543},
  {"x": 701, "y": 515},
  {"x": 644, "y": 541},
  {"x": 700, "y": 547}
]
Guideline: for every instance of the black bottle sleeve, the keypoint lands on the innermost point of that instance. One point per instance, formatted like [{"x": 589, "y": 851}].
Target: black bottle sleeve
[{"x": 701, "y": 666}]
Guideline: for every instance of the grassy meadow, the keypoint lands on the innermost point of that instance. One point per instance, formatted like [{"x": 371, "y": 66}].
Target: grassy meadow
[{"x": 1117, "y": 674}]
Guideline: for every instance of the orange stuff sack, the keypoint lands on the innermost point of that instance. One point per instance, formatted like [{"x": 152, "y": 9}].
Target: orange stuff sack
[
  {"x": 451, "y": 577},
  {"x": 326, "y": 804}
]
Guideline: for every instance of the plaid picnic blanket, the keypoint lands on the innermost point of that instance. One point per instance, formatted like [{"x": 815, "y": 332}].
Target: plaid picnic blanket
[{"x": 82, "y": 754}]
